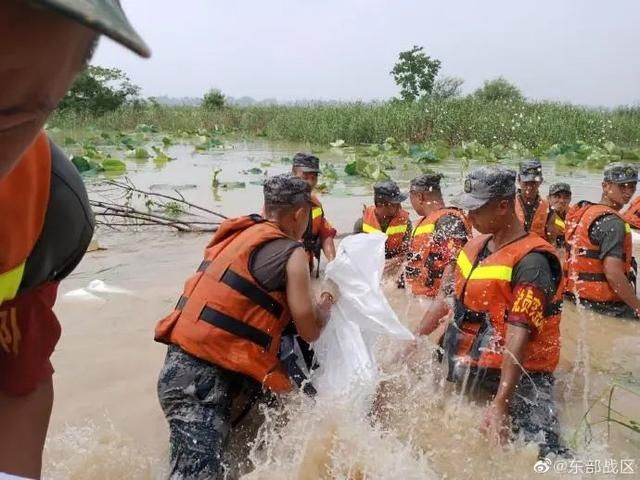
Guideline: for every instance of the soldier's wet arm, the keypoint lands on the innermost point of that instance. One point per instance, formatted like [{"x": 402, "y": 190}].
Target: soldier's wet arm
[
  {"x": 436, "y": 314},
  {"x": 327, "y": 230},
  {"x": 308, "y": 317},
  {"x": 327, "y": 234},
  {"x": 614, "y": 271},
  {"x": 511, "y": 371}
]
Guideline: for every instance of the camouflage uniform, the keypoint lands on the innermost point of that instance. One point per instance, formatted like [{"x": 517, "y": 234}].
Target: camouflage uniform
[{"x": 196, "y": 398}]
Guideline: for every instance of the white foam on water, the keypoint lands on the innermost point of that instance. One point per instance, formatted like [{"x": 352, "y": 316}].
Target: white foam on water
[{"x": 97, "y": 451}]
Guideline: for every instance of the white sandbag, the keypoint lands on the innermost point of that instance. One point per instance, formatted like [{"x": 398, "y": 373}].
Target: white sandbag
[{"x": 345, "y": 350}]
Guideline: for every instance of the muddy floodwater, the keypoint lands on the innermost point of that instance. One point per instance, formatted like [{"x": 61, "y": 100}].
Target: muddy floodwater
[{"x": 107, "y": 423}]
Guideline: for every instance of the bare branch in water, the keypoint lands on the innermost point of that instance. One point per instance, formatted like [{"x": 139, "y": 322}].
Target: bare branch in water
[
  {"x": 108, "y": 214},
  {"x": 128, "y": 186}
]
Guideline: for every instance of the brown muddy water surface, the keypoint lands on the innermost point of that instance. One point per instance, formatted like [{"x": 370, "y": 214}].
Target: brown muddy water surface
[{"x": 107, "y": 423}]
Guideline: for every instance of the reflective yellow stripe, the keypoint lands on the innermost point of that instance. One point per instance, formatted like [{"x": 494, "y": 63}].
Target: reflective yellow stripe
[
  {"x": 10, "y": 283},
  {"x": 316, "y": 212},
  {"x": 489, "y": 272},
  {"x": 424, "y": 229},
  {"x": 627, "y": 228},
  {"x": 396, "y": 229},
  {"x": 559, "y": 223},
  {"x": 366, "y": 228}
]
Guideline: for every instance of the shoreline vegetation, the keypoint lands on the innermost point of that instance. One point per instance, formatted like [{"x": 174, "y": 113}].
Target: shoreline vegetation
[
  {"x": 454, "y": 122},
  {"x": 426, "y": 131}
]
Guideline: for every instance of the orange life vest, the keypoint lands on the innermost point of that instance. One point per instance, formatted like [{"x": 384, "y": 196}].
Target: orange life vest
[
  {"x": 395, "y": 231},
  {"x": 24, "y": 198},
  {"x": 483, "y": 297},
  {"x": 224, "y": 316},
  {"x": 540, "y": 217},
  {"x": 632, "y": 215},
  {"x": 424, "y": 270},
  {"x": 584, "y": 270}
]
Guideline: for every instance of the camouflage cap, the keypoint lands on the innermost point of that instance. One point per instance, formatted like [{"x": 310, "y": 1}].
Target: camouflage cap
[
  {"x": 309, "y": 163},
  {"x": 559, "y": 187},
  {"x": 428, "y": 182},
  {"x": 105, "y": 16},
  {"x": 285, "y": 189},
  {"x": 621, "y": 172},
  {"x": 388, "y": 191},
  {"x": 530, "y": 170},
  {"x": 484, "y": 184}
]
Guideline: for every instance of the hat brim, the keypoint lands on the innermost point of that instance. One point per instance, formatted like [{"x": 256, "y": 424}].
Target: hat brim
[
  {"x": 399, "y": 198},
  {"x": 628, "y": 180},
  {"x": 562, "y": 190},
  {"x": 309, "y": 169},
  {"x": 530, "y": 177},
  {"x": 106, "y": 17},
  {"x": 466, "y": 201}
]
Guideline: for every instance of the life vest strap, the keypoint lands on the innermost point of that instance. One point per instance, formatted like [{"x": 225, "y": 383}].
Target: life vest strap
[
  {"x": 583, "y": 252},
  {"x": 243, "y": 286},
  {"x": 203, "y": 265},
  {"x": 182, "y": 301},
  {"x": 252, "y": 292},
  {"x": 235, "y": 327},
  {"x": 592, "y": 277}
]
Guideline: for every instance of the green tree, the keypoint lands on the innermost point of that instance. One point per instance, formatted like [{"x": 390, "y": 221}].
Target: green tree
[
  {"x": 213, "y": 100},
  {"x": 99, "y": 90},
  {"x": 445, "y": 88},
  {"x": 415, "y": 73},
  {"x": 499, "y": 89}
]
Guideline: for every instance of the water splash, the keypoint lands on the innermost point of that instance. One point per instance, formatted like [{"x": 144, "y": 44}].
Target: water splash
[{"x": 98, "y": 451}]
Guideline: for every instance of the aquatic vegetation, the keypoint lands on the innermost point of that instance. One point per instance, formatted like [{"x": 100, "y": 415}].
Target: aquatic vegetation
[
  {"x": 370, "y": 161},
  {"x": 369, "y": 169},
  {"x": 252, "y": 171},
  {"x": 216, "y": 183},
  {"x": 613, "y": 417},
  {"x": 92, "y": 160},
  {"x": 592, "y": 156},
  {"x": 454, "y": 121},
  {"x": 138, "y": 153}
]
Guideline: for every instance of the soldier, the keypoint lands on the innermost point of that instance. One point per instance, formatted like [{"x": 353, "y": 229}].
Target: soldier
[
  {"x": 599, "y": 266},
  {"x": 436, "y": 239},
  {"x": 387, "y": 216},
  {"x": 319, "y": 235},
  {"x": 46, "y": 221},
  {"x": 560, "y": 201},
  {"x": 225, "y": 332},
  {"x": 534, "y": 212},
  {"x": 505, "y": 332}
]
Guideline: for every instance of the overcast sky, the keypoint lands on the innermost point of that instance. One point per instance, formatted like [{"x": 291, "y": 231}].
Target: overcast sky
[{"x": 583, "y": 51}]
